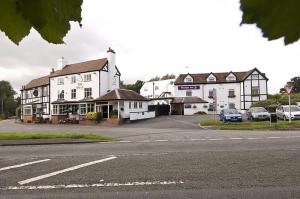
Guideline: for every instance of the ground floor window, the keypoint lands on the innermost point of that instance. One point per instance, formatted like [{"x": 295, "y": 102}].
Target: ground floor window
[
  {"x": 189, "y": 93},
  {"x": 134, "y": 104},
  {"x": 55, "y": 109},
  {"x": 90, "y": 108},
  {"x": 187, "y": 106},
  {"x": 82, "y": 109},
  {"x": 27, "y": 110},
  {"x": 140, "y": 104},
  {"x": 231, "y": 105},
  {"x": 74, "y": 109}
]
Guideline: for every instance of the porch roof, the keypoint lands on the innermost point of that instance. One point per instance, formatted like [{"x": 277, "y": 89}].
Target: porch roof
[
  {"x": 121, "y": 94},
  {"x": 185, "y": 100}
]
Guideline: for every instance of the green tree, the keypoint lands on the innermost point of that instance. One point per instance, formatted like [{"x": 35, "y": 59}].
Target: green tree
[
  {"x": 275, "y": 18},
  {"x": 51, "y": 18},
  {"x": 167, "y": 76},
  {"x": 134, "y": 87},
  {"x": 7, "y": 102},
  {"x": 295, "y": 82},
  {"x": 154, "y": 79}
]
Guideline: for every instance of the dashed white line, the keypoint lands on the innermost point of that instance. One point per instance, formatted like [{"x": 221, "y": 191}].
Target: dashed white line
[
  {"x": 273, "y": 137},
  {"x": 24, "y": 164},
  {"x": 215, "y": 139},
  {"x": 161, "y": 140},
  {"x": 253, "y": 138},
  {"x": 125, "y": 141},
  {"x": 72, "y": 186},
  {"x": 64, "y": 170},
  {"x": 236, "y": 138}
]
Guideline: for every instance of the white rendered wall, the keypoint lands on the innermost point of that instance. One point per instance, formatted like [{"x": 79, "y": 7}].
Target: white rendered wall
[
  {"x": 195, "y": 108},
  {"x": 162, "y": 85}
]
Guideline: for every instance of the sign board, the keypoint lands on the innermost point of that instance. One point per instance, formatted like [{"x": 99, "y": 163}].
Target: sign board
[
  {"x": 189, "y": 87},
  {"x": 288, "y": 89}
]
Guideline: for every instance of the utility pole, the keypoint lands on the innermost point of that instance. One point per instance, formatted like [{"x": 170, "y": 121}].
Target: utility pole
[
  {"x": 153, "y": 90},
  {"x": 289, "y": 89}
]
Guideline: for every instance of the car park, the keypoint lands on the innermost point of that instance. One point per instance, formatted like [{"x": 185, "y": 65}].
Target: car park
[
  {"x": 283, "y": 112},
  {"x": 230, "y": 115},
  {"x": 258, "y": 113}
]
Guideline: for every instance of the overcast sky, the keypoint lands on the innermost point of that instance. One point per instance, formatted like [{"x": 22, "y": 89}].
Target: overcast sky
[{"x": 154, "y": 38}]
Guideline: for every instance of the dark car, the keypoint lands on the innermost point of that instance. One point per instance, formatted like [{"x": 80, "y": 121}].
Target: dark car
[
  {"x": 258, "y": 113},
  {"x": 231, "y": 115}
]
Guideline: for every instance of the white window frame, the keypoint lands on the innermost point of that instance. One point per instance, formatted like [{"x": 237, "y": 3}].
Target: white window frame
[
  {"x": 60, "y": 81},
  {"x": 73, "y": 93},
  {"x": 135, "y": 105},
  {"x": 73, "y": 79},
  {"x": 87, "y": 77},
  {"x": 140, "y": 104},
  {"x": 189, "y": 93},
  {"x": 55, "y": 110},
  {"x": 88, "y": 92}
]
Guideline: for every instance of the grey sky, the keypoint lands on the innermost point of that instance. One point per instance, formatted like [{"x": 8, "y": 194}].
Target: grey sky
[{"x": 156, "y": 37}]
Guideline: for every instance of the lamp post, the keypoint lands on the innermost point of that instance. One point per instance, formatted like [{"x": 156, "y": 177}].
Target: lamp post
[{"x": 289, "y": 89}]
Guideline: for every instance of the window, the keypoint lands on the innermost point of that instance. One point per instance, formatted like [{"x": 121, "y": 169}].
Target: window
[
  {"x": 61, "y": 95},
  {"x": 231, "y": 93},
  {"x": 145, "y": 89},
  {"x": 82, "y": 109},
  {"x": 73, "y": 94},
  {"x": 188, "y": 79},
  {"x": 140, "y": 104},
  {"x": 231, "y": 105},
  {"x": 211, "y": 94},
  {"x": 45, "y": 108},
  {"x": 26, "y": 94},
  {"x": 73, "y": 79},
  {"x": 130, "y": 105},
  {"x": 135, "y": 105},
  {"x": 27, "y": 110},
  {"x": 254, "y": 76},
  {"x": 211, "y": 107},
  {"x": 189, "y": 93},
  {"x": 60, "y": 81},
  {"x": 54, "y": 111},
  {"x": 74, "y": 109},
  {"x": 231, "y": 78},
  {"x": 87, "y": 78},
  {"x": 87, "y": 92},
  {"x": 90, "y": 107},
  {"x": 156, "y": 87},
  {"x": 61, "y": 109},
  {"x": 45, "y": 91},
  {"x": 255, "y": 90},
  {"x": 187, "y": 106}
]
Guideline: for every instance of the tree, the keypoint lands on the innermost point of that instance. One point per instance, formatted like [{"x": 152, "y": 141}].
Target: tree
[
  {"x": 295, "y": 82},
  {"x": 154, "y": 79},
  {"x": 276, "y": 19},
  {"x": 51, "y": 18},
  {"x": 135, "y": 87},
  {"x": 7, "y": 102},
  {"x": 167, "y": 76}
]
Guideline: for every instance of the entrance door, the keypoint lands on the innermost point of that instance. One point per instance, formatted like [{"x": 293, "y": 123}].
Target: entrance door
[{"x": 105, "y": 111}]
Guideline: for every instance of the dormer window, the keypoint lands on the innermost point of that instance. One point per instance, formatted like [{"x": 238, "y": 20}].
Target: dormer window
[
  {"x": 231, "y": 77},
  {"x": 188, "y": 79},
  {"x": 211, "y": 78}
]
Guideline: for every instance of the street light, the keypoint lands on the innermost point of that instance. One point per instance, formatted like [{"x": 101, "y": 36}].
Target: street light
[{"x": 288, "y": 89}]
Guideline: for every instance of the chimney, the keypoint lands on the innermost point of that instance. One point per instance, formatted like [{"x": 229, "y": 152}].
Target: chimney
[
  {"x": 111, "y": 58},
  {"x": 61, "y": 63},
  {"x": 52, "y": 71}
]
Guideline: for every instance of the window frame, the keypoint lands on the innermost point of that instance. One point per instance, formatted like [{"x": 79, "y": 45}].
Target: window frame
[
  {"x": 88, "y": 91},
  {"x": 73, "y": 93}
]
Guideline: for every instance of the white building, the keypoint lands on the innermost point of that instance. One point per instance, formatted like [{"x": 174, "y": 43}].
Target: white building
[
  {"x": 72, "y": 90},
  {"x": 223, "y": 90},
  {"x": 158, "y": 89}
]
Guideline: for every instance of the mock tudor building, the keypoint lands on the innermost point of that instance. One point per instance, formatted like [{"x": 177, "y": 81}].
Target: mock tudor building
[
  {"x": 74, "y": 89},
  {"x": 222, "y": 90}
]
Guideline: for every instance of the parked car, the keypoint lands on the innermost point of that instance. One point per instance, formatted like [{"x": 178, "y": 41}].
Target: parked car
[
  {"x": 282, "y": 112},
  {"x": 230, "y": 115},
  {"x": 258, "y": 113}
]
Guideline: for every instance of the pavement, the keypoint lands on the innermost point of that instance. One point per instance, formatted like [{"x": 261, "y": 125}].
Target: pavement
[{"x": 181, "y": 162}]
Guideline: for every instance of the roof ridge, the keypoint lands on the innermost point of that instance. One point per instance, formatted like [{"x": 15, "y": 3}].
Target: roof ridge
[{"x": 117, "y": 93}]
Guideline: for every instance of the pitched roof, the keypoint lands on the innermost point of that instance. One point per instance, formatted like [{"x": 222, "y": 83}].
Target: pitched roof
[
  {"x": 201, "y": 78},
  {"x": 121, "y": 94},
  {"x": 42, "y": 81},
  {"x": 184, "y": 100},
  {"x": 81, "y": 67}
]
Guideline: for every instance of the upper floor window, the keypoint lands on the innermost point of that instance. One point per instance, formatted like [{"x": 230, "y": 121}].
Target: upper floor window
[
  {"x": 255, "y": 90},
  {"x": 254, "y": 76},
  {"x": 231, "y": 93},
  {"x": 211, "y": 93},
  {"x": 87, "y": 92},
  {"x": 231, "y": 77},
  {"x": 73, "y": 94},
  {"x": 211, "y": 79},
  {"x": 45, "y": 91},
  {"x": 188, "y": 79},
  {"x": 61, "y": 95},
  {"x": 73, "y": 79},
  {"x": 26, "y": 94},
  {"x": 189, "y": 93},
  {"x": 60, "y": 81},
  {"x": 156, "y": 87},
  {"x": 145, "y": 89},
  {"x": 87, "y": 78},
  {"x": 231, "y": 106}
]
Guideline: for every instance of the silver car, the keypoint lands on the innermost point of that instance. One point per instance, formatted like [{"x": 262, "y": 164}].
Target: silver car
[
  {"x": 258, "y": 113},
  {"x": 283, "y": 112}
]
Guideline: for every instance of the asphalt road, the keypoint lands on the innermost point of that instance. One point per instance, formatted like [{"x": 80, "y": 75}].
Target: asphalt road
[{"x": 155, "y": 163}]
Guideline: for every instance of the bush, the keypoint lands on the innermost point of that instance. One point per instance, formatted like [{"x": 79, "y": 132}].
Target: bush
[
  {"x": 18, "y": 112},
  {"x": 113, "y": 113},
  {"x": 210, "y": 122},
  {"x": 99, "y": 116},
  {"x": 91, "y": 116}
]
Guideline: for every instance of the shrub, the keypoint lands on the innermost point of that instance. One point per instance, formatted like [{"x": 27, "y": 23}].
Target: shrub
[
  {"x": 113, "y": 113},
  {"x": 91, "y": 116},
  {"x": 18, "y": 112},
  {"x": 99, "y": 116}
]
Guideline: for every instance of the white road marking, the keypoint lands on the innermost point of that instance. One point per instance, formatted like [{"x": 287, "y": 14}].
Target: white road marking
[
  {"x": 72, "y": 186},
  {"x": 125, "y": 141},
  {"x": 64, "y": 170},
  {"x": 236, "y": 138},
  {"x": 253, "y": 138},
  {"x": 215, "y": 139},
  {"x": 24, "y": 164},
  {"x": 273, "y": 137},
  {"x": 161, "y": 140}
]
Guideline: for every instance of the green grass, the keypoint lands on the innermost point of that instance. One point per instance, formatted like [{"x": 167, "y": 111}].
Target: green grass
[
  {"x": 252, "y": 125},
  {"x": 17, "y": 136}
]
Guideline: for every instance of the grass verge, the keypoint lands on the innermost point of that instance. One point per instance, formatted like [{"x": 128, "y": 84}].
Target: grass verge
[
  {"x": 18, "y": 136},
  {"x": 251, "y": 125}
]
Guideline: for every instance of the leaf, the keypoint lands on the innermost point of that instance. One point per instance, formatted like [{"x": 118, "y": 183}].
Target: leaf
[
  {"x": 12, "y": 23},
  {"x": 275, "y": 18},
  {"x": 51, "y": 18}
]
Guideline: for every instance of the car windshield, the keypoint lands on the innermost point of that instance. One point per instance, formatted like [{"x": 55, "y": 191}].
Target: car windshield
[
  {"x": 259, "y": 110},
  {"x": 231, "y": 111},
  {"x": 293, "y": 109}
]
